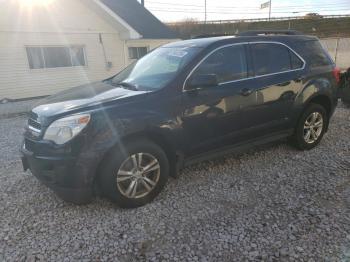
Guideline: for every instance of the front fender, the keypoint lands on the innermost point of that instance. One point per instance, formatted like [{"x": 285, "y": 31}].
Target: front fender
[{"x": 112, "y": 131}]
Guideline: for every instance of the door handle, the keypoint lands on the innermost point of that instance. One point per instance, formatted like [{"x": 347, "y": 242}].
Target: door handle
[
  {"x": 246, "y": 91},
  {"x": 284, "y": 84}
]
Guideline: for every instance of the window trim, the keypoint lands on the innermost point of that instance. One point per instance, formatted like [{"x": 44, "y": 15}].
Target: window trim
[
  {"x": 248, "y": 78},
  {"x": 61, "y": 67},
  {"x": 290, "y": 57}
]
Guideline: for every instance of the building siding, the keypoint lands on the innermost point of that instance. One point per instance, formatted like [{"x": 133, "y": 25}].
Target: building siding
[
  {"x": 338, "y": 49},
  {"x": 19, "y": 81},
  {"x": 66, "y": 22}
]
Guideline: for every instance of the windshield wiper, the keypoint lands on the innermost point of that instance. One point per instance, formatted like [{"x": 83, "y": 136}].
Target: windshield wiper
[{"x": 128, "y": 85}]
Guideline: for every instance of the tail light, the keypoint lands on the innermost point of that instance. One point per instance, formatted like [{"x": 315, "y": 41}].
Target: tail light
[{"x": 336, "y": 74}]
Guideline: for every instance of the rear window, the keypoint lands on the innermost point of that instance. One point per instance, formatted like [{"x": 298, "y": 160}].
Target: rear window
[
  {"x": 314, "y": 54},
  {"x": 272, "y": 58}
]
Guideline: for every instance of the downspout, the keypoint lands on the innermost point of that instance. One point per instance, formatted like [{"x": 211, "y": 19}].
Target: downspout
[
  {"x": 125, "y": 53},
  {"x": 108, "y": 64}
]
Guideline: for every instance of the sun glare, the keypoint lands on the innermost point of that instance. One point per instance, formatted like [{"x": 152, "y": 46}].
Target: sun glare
[{"x": 31, "y": 3}]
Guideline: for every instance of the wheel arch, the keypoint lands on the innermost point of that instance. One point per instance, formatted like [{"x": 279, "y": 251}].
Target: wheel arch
[
  {"x": 156, "y": 137},
  {"x": 322, "y": 100}
]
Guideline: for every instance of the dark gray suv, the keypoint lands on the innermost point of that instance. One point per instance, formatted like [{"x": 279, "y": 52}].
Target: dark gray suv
[{"x": 181, "y": 103}]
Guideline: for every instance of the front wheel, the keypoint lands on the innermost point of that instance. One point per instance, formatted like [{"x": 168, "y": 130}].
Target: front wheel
[
  {"x": 311, "y": 127},
  {"x": 134, "y": 175}
]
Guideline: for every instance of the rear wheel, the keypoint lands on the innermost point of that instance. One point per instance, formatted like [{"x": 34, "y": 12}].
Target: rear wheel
[
  {"x": 346, "y": 102},
  {"x": 311, "y": 127},
  {"x": 134, "y": 176}
]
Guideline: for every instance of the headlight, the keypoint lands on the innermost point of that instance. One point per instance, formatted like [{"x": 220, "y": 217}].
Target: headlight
[{"x": 64, "y": 129}]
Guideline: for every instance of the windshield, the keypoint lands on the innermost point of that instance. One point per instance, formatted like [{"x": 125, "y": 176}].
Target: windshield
[{"x": 156, "y": 69}]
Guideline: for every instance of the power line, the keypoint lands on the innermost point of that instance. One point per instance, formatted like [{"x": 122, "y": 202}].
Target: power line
[
  {"x": 346, "y": 4},
  {"x": 255, "y": 10},
  {"x": 250, "y": 13}
]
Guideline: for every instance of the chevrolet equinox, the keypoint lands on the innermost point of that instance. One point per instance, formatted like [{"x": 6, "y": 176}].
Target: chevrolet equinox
[{"x": 183, "y": 102}]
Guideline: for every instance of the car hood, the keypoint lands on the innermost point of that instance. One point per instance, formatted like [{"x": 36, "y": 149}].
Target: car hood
[{"x": 80, "y": 97}]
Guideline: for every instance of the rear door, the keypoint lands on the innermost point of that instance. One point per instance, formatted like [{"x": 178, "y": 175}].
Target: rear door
[{"x": 278, "y": 71}]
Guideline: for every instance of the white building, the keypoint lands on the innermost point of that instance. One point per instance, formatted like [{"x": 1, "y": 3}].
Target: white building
[{"x": 50, "y": 45}]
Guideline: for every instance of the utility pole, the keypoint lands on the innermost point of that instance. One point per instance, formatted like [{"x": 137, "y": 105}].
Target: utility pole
[
  {"x": 269, "y": 9},
  {"x": 205, "y": 11},
  {"x": 143, "y": 2}
]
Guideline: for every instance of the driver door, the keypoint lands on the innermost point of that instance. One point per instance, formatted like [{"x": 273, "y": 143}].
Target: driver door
[{"x": 218, "y": 115}]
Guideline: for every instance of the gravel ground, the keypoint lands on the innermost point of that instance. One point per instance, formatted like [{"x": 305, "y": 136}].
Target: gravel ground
[
  {"x": 272, "y": 204},
  {"x": 13, "y": 108}
]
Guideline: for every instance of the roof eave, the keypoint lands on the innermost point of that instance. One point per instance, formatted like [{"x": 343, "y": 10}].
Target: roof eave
[{"x": 129, "y": 32}]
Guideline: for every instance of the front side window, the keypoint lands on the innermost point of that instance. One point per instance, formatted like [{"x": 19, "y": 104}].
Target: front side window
[
  {"x": 228, "y": 64},
  {"x": 54, "y": 57},
  {"x": 156, "y": 69},
  {"x": 270, "y": 58},
  {"x": 137, "y": 52}
]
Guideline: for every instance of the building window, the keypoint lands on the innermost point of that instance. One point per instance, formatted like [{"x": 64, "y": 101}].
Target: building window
[
  {"x": 137, "y": 52},
  {"x": 53, "y": 57}
]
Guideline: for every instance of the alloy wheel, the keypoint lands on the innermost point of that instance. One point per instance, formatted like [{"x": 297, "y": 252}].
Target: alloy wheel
[
  {"x": 138, "y": 175},
  {"x": 313, "y": 127}
]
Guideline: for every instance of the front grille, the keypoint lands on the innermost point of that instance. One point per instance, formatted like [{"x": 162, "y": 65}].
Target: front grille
[
  {"x": 29, "y": 145},
  {"x": 34, "y": 124},
  {"x": 33, "y": 115}
]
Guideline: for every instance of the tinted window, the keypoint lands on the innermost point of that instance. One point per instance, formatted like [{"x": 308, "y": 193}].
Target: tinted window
[
  {"x": 228, "y": 63},
  {"x": 314, "y": 54},
  {"x": 271, "y": 58},
  {"x": 157, "y": 68},
  {"x": 295, "y": 61}
]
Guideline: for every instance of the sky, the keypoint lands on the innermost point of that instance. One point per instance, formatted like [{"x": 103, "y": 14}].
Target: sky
[{"x": 180, "y": 10}]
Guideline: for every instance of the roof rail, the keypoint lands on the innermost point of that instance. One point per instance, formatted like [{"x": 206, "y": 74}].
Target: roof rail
[
  {"x": 270, "y": 32},
  {"x": 210, "y": 35}
]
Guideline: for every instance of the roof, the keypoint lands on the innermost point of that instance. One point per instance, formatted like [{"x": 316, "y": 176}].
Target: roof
[
  {"x": 198, "y": 42},
  {"x": 223, "y": 40},
  {"x": 140, "y": 19}
]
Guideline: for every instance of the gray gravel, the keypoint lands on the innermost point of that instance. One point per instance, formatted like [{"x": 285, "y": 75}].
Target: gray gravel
[
  {"x": 270, "y": 204},
  {"x": 13, "y": 108}
]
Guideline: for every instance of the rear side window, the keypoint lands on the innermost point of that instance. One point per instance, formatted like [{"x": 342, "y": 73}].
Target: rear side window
[
  {"x": 270, "y": 58},
  {"x": 228, "y": 63},
  {"x": 314, "y": 54}
]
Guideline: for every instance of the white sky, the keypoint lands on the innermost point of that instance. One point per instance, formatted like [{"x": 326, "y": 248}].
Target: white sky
[{"x": 179, "y": 10}]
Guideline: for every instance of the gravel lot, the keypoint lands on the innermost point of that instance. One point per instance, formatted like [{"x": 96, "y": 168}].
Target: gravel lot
[{"x": 271, "y": 204}]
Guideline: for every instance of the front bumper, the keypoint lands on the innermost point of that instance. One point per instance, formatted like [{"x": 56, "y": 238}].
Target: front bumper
[{"x": 70, "y": 177}]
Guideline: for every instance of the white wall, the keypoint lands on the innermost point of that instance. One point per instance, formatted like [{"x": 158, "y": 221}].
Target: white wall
[
  {"x": 339, "y": 49},
  {"x": 17, "y": 80},
  {"x": 67, "y": 22},
  {"x": 58, "y": 16},
  {"x": 63, "y": 22}
]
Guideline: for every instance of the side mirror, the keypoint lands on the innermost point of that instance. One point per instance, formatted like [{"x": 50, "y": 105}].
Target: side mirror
[{"x": 202, "y": 81}]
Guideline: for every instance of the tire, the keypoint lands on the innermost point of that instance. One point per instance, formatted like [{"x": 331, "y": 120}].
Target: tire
[
  {"x": 346, "y": 102},
  {"x": 300, "y": 138},
  {"x": 125, "y": 167}
]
